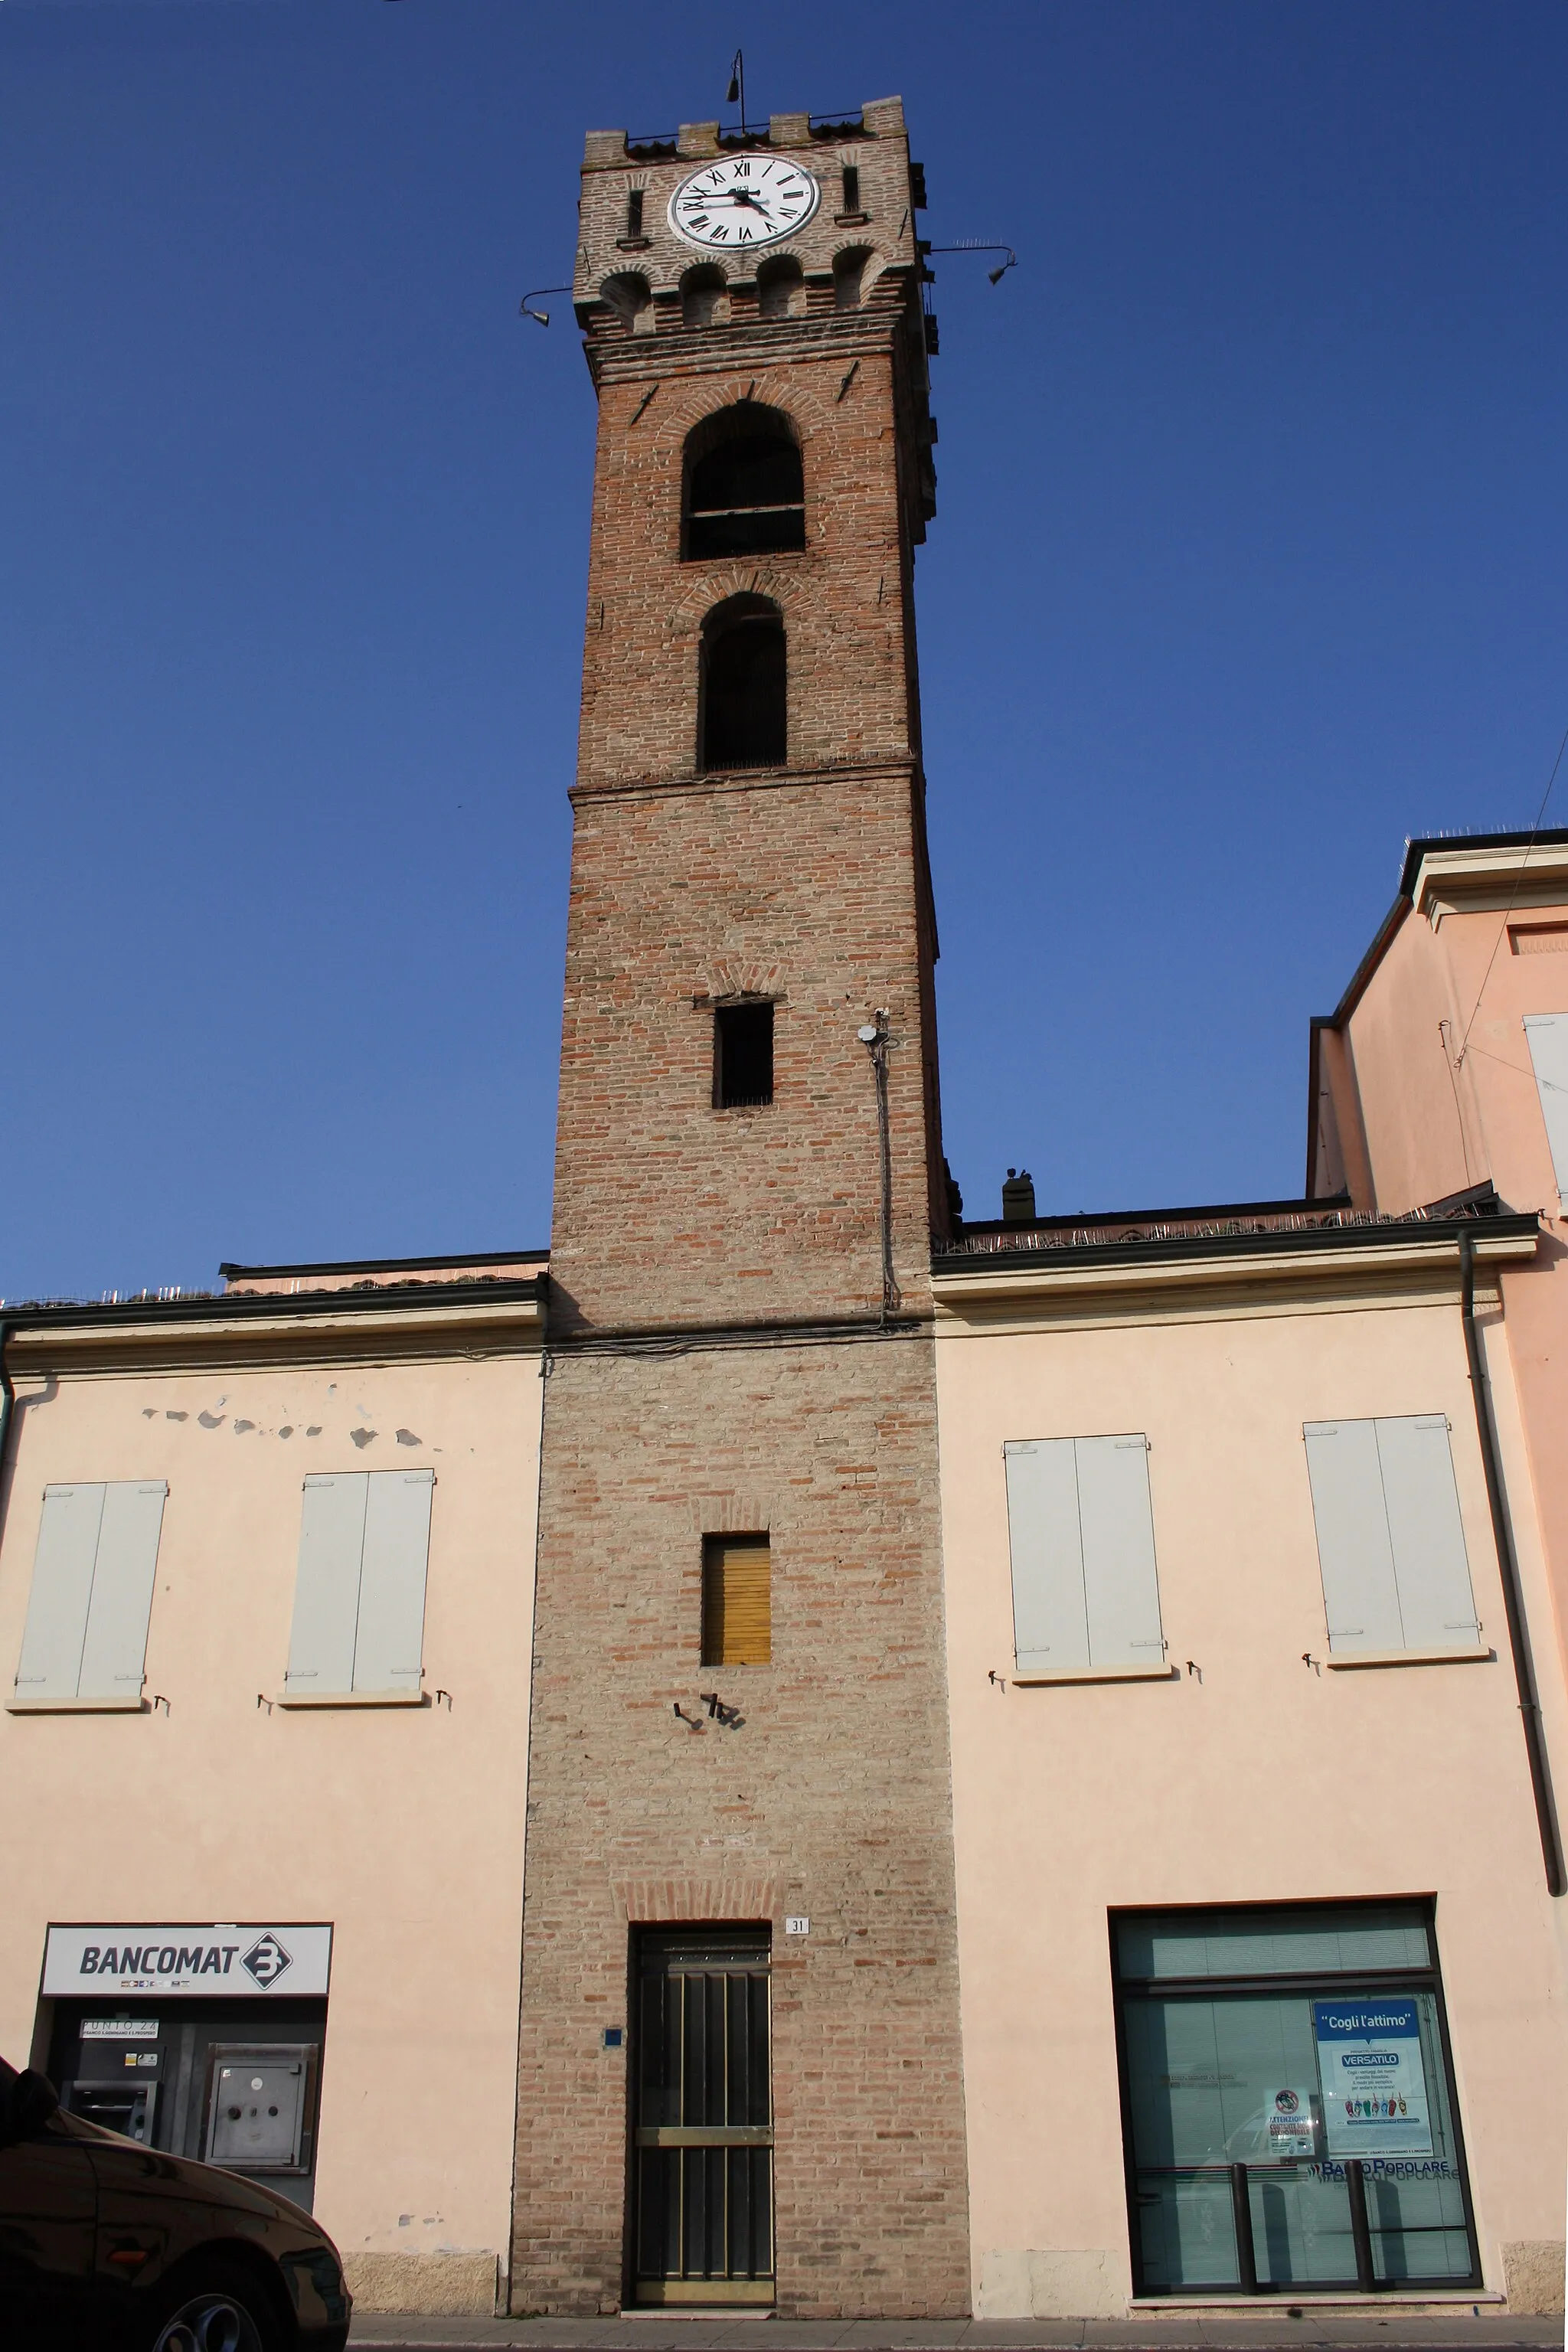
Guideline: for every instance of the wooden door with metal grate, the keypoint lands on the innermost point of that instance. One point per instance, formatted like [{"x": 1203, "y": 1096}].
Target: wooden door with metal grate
[{"x": 702, "y": 2121}]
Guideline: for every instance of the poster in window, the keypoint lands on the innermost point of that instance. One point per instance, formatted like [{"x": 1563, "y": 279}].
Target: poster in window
[
  {"x": 1291, "y": 2125},
  {"x": 1373, "y": 2079}
]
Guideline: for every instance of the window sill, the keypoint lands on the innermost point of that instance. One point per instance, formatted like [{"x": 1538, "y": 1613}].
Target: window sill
[
  {"x": 1344, "y": 2299},
  {"x": 137, "y": 1706},
  {"x": 1096, "y": 1675},
  {"x": 1467, "y": 1653},
  {"x": 351, "y": 1699}
]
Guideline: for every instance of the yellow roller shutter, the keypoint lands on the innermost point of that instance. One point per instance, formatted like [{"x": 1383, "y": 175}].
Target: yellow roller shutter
[{"x": 737, "y": 1602}]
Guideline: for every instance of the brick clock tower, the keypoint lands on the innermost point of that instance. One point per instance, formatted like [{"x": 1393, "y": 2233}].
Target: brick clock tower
[{"x": 740, "y": 2078}]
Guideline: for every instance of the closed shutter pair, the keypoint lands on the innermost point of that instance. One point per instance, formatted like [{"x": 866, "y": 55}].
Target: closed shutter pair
[
  {"x": 1086, "y": 1595},
  {"x": 1546, "y": 1034},
  {"x": 359, "y": 1596},
  {"x": 1389, "y": 1542},
  {"x": 86, "y": 1636}
]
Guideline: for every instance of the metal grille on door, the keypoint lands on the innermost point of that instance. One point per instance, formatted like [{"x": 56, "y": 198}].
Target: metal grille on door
[{"x": 704, "y": 2119}]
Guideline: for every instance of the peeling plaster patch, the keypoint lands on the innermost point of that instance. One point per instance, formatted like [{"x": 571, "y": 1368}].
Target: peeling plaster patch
[
  {"x": 314, "y": 1430},
  {"x": 406, "y": 1437},
  {"x": 149, "y": 1413},
  {"x": 403, "y": 2220},
  {"x": 210, "y": 1420},
  {"x": 176, "y": 1416},
  {"x": 332, "y": 1390},
  {"x": 286, "y": 1429},
  {"x": 363, "y": 1437},
  {"x": 241, "y": 1426}
]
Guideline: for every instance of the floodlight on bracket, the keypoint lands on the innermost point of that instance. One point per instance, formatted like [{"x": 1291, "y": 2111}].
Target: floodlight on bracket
[
  {"x": 978, "y": 245},
  {"x": 540, "y": 317}
]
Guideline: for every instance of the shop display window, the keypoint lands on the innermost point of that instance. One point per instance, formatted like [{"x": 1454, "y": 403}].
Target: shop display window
[{"x": 1288, "y": 2101}]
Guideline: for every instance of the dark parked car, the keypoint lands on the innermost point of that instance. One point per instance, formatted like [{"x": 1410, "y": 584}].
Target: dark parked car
[{"x": 107, "y": 2244}]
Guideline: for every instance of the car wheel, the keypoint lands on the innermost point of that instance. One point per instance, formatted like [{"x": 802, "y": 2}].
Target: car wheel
[{"x": 222, "y": 2311}]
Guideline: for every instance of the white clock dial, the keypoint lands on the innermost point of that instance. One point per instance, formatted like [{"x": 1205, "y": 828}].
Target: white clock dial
[{"x": 743, "y": 202}]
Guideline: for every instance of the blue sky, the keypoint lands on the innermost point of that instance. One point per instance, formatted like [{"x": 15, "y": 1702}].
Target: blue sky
[{"x": 1248, "y": 564}]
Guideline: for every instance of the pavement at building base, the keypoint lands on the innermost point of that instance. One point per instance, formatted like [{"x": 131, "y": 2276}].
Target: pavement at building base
[{"x": 1325, "y": 2330}]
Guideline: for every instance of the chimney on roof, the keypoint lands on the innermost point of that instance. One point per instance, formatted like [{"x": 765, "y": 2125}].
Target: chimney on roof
[{"x": 1018, "y": 1198}]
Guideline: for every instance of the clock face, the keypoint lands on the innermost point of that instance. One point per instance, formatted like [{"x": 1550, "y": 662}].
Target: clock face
[{"x": 741, "y": 203}]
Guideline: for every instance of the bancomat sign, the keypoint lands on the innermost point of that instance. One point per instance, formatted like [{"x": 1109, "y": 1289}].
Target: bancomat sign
[{"x": 175, "y": 1962}]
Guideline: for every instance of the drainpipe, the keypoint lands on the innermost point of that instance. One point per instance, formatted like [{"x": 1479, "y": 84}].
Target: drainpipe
[
  {"x": 1513, "y": 1599},
  {"x": 7, "y": 1400}
]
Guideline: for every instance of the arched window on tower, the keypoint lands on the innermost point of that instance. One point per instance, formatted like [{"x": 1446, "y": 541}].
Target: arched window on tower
[
  {"x": 630, "y": 297},
  {"x": 849, "y": 278},
  {"x": 781, "y": 289},
  {"x": 704, "y": 297},
  {"x": 741, "y": 699},
  {"x": 745, "y": 492}
]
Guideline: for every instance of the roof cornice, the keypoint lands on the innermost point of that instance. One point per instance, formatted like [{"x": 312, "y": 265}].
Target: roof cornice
[
  {"x": 40, "y": 1336},
  {"x": 1352, "y": 1254}
]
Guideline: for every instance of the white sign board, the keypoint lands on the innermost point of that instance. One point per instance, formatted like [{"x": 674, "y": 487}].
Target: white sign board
[
  {"x": 1290, "y": 2125},
  {"x": 1374, "y": 2084},
  {"x": 106, "y": 1963}
]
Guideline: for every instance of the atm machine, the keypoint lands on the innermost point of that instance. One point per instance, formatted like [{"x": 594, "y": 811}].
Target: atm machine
[{"x": 116, "y": 2077}]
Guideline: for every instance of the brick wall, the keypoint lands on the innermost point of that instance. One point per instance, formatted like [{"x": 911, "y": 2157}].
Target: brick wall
[{"x": 832, "y": 1799}]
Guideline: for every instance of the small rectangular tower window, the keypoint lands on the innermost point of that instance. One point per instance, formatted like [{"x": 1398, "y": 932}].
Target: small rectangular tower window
[
  {"x": 742, "y": 1057},
  {"x": 851, "y": 187},
  {"x": 634, "y": 213},
  {"x": 737, "y": 1600}
]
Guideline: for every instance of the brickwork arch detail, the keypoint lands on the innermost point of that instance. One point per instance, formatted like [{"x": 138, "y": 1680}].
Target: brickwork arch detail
[
  {"x": 649, "y": 1901},
  {"x": 720, "y": 583}
]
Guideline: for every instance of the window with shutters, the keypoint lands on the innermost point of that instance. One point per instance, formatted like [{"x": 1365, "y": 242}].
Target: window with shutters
[
  {"x": 1546, "y": 1034},
  {"x": 737, "y": 1600},
  {"x": 1391, "y": 1545},
  {"x": 1086, "y": 1595},
  {"x": 85, "y": 1642},
  {"x": 359, "y": 1593}
]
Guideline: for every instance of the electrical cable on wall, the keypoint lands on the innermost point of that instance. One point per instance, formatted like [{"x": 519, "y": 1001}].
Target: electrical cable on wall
[{"x": 874, "y": 1036}]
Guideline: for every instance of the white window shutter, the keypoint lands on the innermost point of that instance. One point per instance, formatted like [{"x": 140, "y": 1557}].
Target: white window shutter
[
  {"x": 1120, "y": 1580},
  {"x": 388, "y": 1647},
  {"x": 50, "y": 1665},
  {"x": 1050, "y": 1622},
  {"x": 1546, "y": 1034},
  {"x": 326, "y": 1587},
  {"x": 1431, "y": 1567},
  {"x": 115, "y": 1654},
  {"x": 1354, "y": 1551}
]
